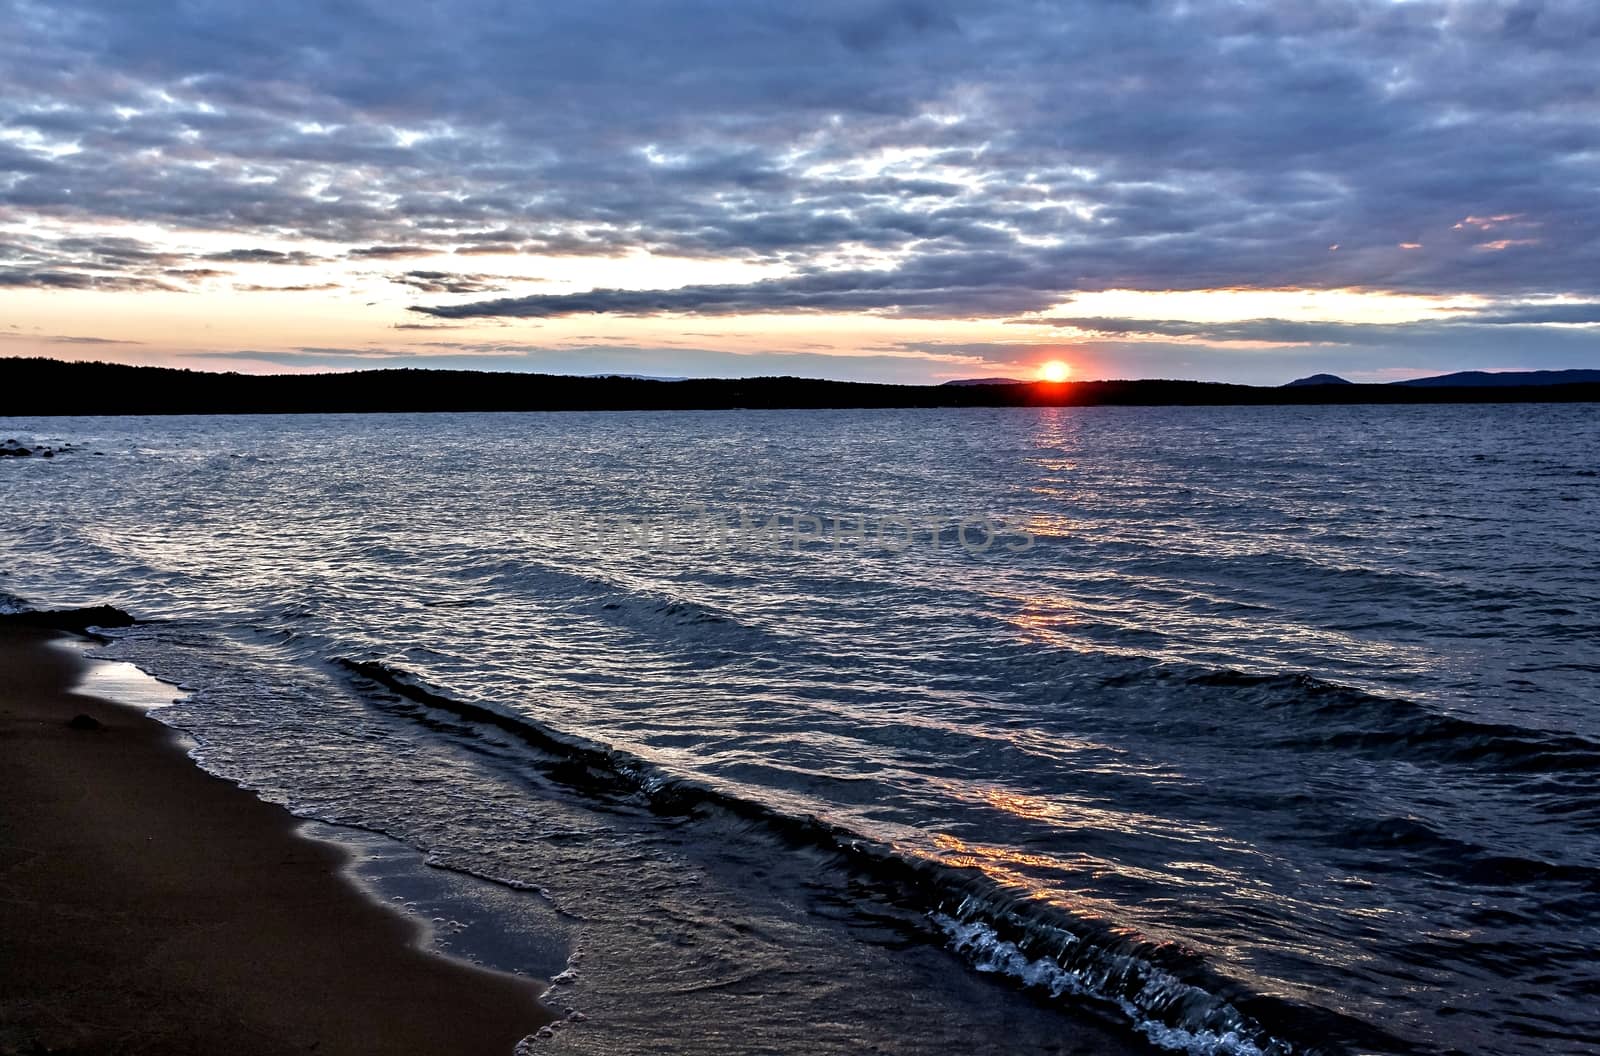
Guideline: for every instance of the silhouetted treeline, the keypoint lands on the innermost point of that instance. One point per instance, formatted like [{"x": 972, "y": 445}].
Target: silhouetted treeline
[{"x": 46, "y": 386}]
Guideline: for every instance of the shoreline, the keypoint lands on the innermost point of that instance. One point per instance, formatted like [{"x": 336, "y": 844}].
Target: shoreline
[
  {"x": 146, "y": 905},
  {"x": 57, "y": 387}
]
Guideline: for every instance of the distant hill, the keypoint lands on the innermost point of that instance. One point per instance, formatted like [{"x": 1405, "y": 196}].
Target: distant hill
[
  {"x": 1318, "y": 379},
  {"x": 1484, "y": 378},
  {"x": 987, "y": 381},
  {"x": 36, "y": 386}
]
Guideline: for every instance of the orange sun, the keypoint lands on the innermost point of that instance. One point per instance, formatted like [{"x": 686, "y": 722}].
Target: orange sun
[{"x": 1054, "y": 370}]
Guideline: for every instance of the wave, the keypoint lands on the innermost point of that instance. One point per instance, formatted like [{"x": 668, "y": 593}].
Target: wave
[
  {"x": 989, "y": 952},
  {"x": 658, "y": 617},
  {"x": 1431, "y": 851},
  {"x": 1163, "y": 990},
  {"x": 665, "y": 617},
  {"x": 1294, "y": 711},
  {"x": 1290, "y": 571},
  {"x": 1333, "y": 716},
  {"x": 1285, "y": 574}
]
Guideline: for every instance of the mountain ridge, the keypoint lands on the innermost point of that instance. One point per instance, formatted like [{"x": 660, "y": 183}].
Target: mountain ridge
[
  {"x": 1483, "y": 378},
  {"x": 1317, "y": 379}
]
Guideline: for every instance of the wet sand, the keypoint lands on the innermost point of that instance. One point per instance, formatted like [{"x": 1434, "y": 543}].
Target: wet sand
[{"x": 148, "y": 907}]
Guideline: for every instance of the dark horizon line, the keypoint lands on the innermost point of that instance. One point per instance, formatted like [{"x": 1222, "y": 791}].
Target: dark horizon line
[{"x": 42, "y": 387}]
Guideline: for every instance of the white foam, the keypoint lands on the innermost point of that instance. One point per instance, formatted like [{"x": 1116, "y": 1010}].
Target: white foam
[
  {"x": 990, "y": 953},
  {"x": 124, "y": 683}
]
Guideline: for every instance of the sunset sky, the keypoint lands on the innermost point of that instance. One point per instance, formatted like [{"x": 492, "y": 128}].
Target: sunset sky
[{"x": 903, "y": 191}]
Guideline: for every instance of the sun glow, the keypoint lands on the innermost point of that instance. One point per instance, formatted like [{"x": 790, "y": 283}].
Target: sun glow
[{"x": 1055, "y": 370}]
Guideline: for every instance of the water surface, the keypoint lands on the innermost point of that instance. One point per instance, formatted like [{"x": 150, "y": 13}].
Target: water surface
[{"x": 1254, "y": 729}]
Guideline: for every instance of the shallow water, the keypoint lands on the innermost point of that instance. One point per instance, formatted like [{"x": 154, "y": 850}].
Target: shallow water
[{"x": 1251, "y": 729}]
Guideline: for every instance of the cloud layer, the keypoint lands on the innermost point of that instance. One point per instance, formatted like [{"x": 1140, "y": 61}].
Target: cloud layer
[{"x": 907, "y": 158}]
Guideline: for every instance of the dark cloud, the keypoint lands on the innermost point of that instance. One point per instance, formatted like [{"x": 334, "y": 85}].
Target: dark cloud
[
  {"x": 66, "y": 339},
  {"x": 310, "y": 287},
  {"x": 486, "y": 249},
  {"x": 389, "y": 252},
  {"x": 195, "y": 274},
  {"x": 263, "y": 256},
  {"x": 1585, "y": 312},
  {"x": 1273, "y": 331},
  {"x": 447, "y": 282},
  {"x": 77, "y": 263},
  {"x": 15, "y": 278},
  {"x": 988, "y": 158},
  {"x": 1521, "y": 323},
  {"x": 113, "y": 263},
  {"x": 114, "y": 253},
  {"x": 951, "y": 285}
]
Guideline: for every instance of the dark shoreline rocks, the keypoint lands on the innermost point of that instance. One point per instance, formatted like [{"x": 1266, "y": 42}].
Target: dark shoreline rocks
[
  {"x": 77, "y": 621},
  {"x": 16, "y": 449}
]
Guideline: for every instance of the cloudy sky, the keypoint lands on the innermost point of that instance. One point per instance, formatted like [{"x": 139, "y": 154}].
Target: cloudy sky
[{"x": 910, "y": 190}]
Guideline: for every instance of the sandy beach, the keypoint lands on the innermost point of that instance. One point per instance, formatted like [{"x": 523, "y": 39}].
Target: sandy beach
[{"x": 146, "y": 906}]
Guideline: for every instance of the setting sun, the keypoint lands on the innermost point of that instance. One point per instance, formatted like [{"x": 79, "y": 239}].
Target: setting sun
[{"x": 1055, "y": 370}]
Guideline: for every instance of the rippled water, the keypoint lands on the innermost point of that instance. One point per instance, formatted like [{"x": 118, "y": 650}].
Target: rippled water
[{"x": 1254, "y": 729}]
